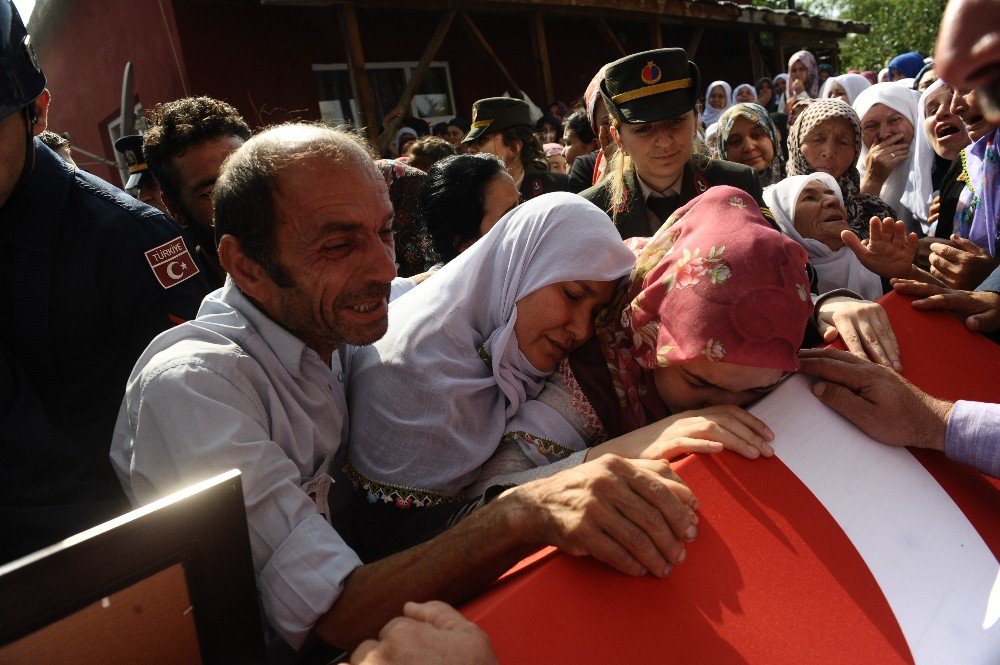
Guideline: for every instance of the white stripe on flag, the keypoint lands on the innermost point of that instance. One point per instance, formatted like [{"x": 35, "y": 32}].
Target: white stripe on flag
[{"x": 939, "y": 577}]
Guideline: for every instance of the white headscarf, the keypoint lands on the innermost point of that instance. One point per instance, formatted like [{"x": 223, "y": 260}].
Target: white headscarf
[
  {"x": 919, "y": 192},
  {"x": 736, "y": 90},
  {"x": 839, "y": 269},
  {"x": 779, "y": 99},
  {"x": 852, "y": 84},
  {"x": 427, "y": 409},
  {"x": 904, "y": 101},
  {"x": 711, "y": 114}
]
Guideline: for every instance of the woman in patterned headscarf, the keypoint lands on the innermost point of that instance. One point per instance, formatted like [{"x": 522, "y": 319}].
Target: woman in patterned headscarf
[
  {"x": 827, "y": 138},
  {"x": 803, "y": 75},
  {"x": 711, "y": 317},
  {"x": 746, "y": 135}
]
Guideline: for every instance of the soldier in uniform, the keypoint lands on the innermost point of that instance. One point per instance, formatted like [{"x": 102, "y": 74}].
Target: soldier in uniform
[
  {"x": 651, "y": 98},
  {"x": 501, "y": 126},
  {"x": 141, "y": 184},
  {"x": 89, "y": 277}
]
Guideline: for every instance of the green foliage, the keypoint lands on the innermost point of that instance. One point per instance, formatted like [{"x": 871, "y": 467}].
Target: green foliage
[{"x": 897, "y": 26}]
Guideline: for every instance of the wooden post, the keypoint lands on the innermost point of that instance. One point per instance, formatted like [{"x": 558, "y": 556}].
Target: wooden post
[
  {"x": 360, "y": 86},
  {"x": 755, "y": 64},
  {"x": 609, "y": 36},
  {"x": 512, "y": 87},
  {"x": 692, "y": 48},
  {"x": 418, "y": 75},
  {"x": 779, "y": 48},
  {"x": 540, "y": 50},
  {"x": 655, "y": 35}
]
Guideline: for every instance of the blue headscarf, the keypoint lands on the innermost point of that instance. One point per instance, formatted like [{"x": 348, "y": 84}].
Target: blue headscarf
[{"x": 909, "y": 64}]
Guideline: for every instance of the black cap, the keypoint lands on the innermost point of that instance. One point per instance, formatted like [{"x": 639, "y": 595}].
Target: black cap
[
  {"x": 493, "y": 114},
  {"x": 21, "y": 78},
  {"x": 651, "y": 86},
  {"x": 131, "y": 149}
]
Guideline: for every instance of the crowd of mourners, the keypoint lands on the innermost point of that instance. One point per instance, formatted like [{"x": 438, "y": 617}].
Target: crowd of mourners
[{"x": 494, "y": 336}]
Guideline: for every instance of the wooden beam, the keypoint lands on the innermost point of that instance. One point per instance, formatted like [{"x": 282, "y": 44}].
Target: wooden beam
[
  {"x": 609, "y": 36},
  {"x": 418, "y": 75},
  {"x": 512, "y": 87},
  {"x": 655, "y": 35},
  {"x": 540, "y": 50},
  {"x": 360, "y": 86},
  {"x": 696, "y": 36}
]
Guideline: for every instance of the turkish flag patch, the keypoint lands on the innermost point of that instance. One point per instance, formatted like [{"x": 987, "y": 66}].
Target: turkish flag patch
[{"x": 172, "y": 263}]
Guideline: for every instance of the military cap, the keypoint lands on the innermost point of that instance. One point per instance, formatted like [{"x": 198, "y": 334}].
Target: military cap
[
  {"x": 493, "y": 114},
  {"x": 130, "y": 148},
  {"x": 651, "y": 86}
]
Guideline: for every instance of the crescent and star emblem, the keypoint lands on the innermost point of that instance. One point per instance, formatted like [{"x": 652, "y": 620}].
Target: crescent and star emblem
[{"x": 175, "y": 275}]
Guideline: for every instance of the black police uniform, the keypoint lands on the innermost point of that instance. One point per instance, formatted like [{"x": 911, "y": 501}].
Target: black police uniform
[
  {"x": 536, "y": 183},
  {"x": 581, "y": 174},
  {"x": 700, "y": 173},
  {"x": 89, "y": 277}
]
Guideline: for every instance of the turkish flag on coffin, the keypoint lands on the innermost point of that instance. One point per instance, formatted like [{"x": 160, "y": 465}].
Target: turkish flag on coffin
[{"x": 818, "y": 555}]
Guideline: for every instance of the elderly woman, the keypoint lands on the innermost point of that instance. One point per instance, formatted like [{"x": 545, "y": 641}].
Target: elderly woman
[
  {"x": 941, "y": 136},
  {"x": 746, "y": 135},
  {"x": 718, "y": 96},
  {"x": 846, "y": 87},
  {"x": 827, "y": 138},
  {"x": 655, "y": 169},
  {"x": 970, "y": 206},
  {"x": 710, "y": 320},
  {"x": 889, "y": 120},
  {"x": 810, "y": 210}
]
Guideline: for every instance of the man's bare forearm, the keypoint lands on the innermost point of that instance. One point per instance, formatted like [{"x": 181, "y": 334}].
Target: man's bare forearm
[{"x": 451, "y": 567}]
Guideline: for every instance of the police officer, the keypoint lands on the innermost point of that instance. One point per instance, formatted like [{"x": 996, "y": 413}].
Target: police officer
[
  {"x": 141, "y": 184},
  {"x": 502, "y": 126},
  {"x": 88, "y": 276},
  {"x": 651, "y": 98}
]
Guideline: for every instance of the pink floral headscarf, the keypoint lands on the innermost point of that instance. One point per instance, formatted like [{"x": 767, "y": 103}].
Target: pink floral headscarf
[{"x": 715, "y": 282}]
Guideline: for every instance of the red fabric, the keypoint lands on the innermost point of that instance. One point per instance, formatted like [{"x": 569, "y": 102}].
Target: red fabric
[{"x": 771, "y": 577}]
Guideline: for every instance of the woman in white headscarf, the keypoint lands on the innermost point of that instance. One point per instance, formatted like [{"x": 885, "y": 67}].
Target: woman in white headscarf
[
  {"x": 810, "y": 210},
  {"x": 780, "y": 91},
  {"x": 940, "y": 139},
  {"x": 717, "y": 99},
  {"x": 846, "y": 87},
  {"x": 430, "y": 401},
  {"x": 889, "y": 122},
  {"x": 744, "y": 93}
]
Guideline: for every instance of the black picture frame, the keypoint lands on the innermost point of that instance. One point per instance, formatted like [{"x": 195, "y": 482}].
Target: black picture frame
[{"x": 203, "y": 528}]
